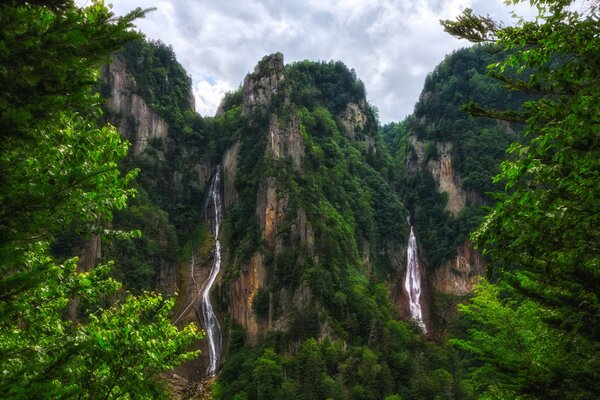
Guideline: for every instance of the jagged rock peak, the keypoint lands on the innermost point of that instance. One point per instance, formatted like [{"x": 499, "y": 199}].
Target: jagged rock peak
[
  {"x": 269, "y": 65},
  {"x": 266, "y": 80}
]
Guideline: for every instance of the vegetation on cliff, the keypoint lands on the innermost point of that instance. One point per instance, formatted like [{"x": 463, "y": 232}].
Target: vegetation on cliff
[
  {"x": 319, "y": 212},
  {"x": 478, "y": 145},
  {"x": 342, "y": 339}
]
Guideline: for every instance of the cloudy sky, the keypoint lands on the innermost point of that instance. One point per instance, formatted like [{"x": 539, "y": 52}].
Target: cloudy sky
[{"x": 392, "y": 44}]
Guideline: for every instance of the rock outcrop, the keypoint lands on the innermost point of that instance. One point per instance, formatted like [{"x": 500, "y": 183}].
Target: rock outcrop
[
  {"x": 260, "y": 89},
  {"x": 446, "y": 178},
  {"x": 448, "y": 181},
  {"x": 265, "y": 82},
  {"x": 458, "y": 277},
  {"x": 131, "y": 114},
  {"x": 252, "y": 278},
  {"x": 230, "y": 164}
]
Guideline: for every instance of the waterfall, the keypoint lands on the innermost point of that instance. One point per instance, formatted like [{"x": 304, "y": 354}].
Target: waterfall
[
  {"x": 209, "y": 319},
  {"x": 412, "y": 282}
]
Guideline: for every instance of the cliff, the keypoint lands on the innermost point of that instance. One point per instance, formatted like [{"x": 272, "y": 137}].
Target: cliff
[
  {"x": 284, "y": 141},
  {"x": 155, "y": 113},
  {"x": 449, "y": 159},
  {"x": 282, "y": 181},
  {"x": 314, "y": 234},
  {"x": 131, "y": 114}
]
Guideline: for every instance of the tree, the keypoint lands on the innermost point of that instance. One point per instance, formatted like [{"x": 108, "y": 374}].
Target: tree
[
  {"x": 58, "y": 170},
  {"x": 542, "y": 234}
]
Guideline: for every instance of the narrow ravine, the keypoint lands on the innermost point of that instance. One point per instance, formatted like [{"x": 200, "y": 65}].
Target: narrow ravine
[
  {"x": 214, "y": 213},
  {"x": 412, "y": 282}
]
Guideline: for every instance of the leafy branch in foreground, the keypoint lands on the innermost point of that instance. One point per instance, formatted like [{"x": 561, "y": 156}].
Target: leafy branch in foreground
[
  {"x": 542, "y": 235},
  {"x": 58, "y": 170}
]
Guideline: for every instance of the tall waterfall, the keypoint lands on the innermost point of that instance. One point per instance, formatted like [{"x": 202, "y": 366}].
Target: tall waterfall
[
  {"x": 214, "y": 203},
  {"x": 412, "y": 282}
]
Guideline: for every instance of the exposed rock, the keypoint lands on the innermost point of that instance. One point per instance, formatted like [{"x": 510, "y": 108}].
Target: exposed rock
[
  {"x": 397, "y": 256},
  {"x": 443, "y": 173},
  {"x": 204, "y": 170},
  {"x": 191, "y": 101},
  {"x": 230, "y": 194},
  {"x": 302, "y": 233},
  {"x": 266, "y": 81},
  {"x": 89, "y": 256},
  {"x": 184, "y": 389},
  {"x": 132, "y": 116},
  {"x": 447, "y": 179},
  {"x": 287, "y": 140},
  {"x": 168, "y": 278},
  {"x": 289, "y": 304},
  {"x": 270, "y": 210},
  {"x": 252, "y": 278},
  {"x": 459, "y": 276},
  {"x": 353, "y": 119}
]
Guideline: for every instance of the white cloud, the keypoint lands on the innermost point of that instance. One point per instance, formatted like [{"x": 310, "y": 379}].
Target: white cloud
[
  {"x": 392, "y": 44},
  {"x": 208, "y": 95}
]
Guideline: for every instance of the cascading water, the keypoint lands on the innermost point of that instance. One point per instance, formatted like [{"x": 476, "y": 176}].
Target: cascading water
[
  {"x": 412, "y": 282},
  {"x": 214, "y": 203}
]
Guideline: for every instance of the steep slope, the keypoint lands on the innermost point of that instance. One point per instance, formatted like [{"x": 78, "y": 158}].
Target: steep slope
[
  {"x": 449, "y": 159},
  {"x": 150, "y": 101},
  {"x": 315, "y": 237},
  {"x": 311, "y": 295}
]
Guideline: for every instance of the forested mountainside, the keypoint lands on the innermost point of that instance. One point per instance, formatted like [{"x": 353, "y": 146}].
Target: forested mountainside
[
  {"x": 316, "y": 196},
  {"x": 324, "y": 256},
  {"x": 448, "y": 159}
]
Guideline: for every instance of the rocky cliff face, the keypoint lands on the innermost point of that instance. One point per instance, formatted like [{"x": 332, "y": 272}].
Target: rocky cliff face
[
  {"x": 131, "y": 114},
  {"x": 265, "y": 82},
  {"x": 440, "y": 167},
  {"x": 284, "y": 141},
  {"x": 457, "y": 276},
  {"x": 288, "y": 237},
  {"x": 230, "y": 164},
  {"x": 174, "y": 169}
]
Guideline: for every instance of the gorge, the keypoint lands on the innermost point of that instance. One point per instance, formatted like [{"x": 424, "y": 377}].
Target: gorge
[
  {"x": 305, "y": 247},
  {"x": 291, "y": 246}
]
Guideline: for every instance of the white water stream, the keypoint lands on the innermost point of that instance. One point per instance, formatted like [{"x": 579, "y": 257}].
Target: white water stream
[
  {"x": 214, "y": 205},
  {"x": 412, "y": 282}
]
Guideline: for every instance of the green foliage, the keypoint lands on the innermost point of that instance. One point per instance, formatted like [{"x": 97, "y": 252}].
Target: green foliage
[
  {"x": 59, "y": 172},
  {"x": 478, "y": 147},
  {"x": 329, "y": 83},
  {"x": 67, "y": 175},
  {"x": 400, "y": 363},
  {"x": 117, "y": 353},
  {"x": 541, "y": 234},
  {"x": 169, "y": 167},
  {"x": 346, "y": 190},
  {"x": 160, "y": 80},
  {"x": 141, "y": 258},
  {"x": 260, "y": 304},
  {"x": 46, "y": 52}
]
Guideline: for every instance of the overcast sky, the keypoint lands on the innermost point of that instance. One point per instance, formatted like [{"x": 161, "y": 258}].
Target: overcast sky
[{"x": 392, "y": 44}]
